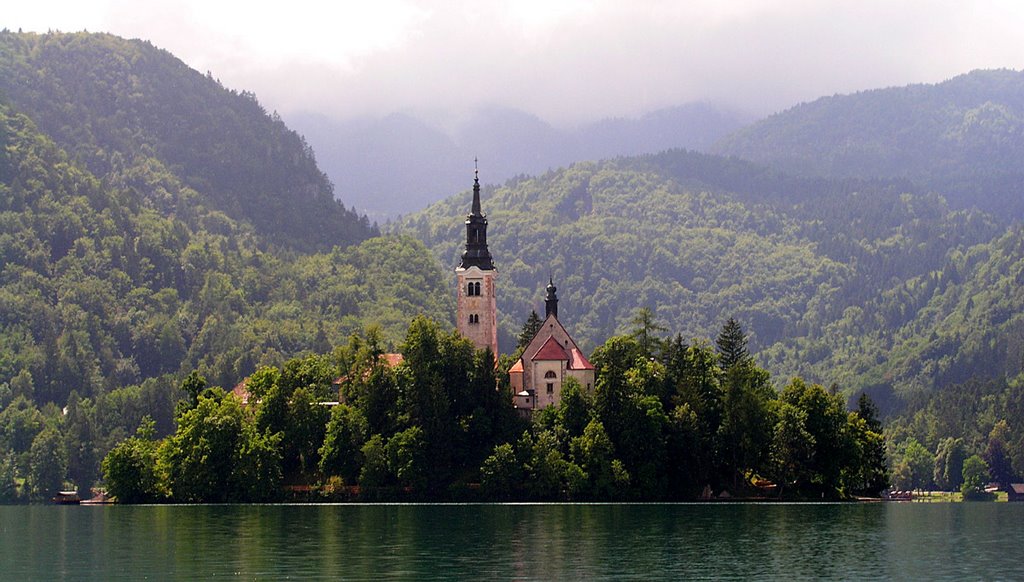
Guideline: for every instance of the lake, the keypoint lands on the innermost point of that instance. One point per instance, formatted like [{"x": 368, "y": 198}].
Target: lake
[{"x": 941, "y": 541}]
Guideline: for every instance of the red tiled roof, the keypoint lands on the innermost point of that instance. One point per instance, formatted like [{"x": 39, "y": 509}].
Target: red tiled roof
[
  {"x": 577, "y": 361},
  {"x": 517, "y": 367},
  {"x": 551, "y": 350}
]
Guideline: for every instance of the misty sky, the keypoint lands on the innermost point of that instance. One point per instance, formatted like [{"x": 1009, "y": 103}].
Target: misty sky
[{"x": 565, "y": 61}]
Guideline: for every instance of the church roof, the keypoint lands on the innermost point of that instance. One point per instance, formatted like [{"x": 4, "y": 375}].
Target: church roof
[
  {"x": 517, "y": 367},
  {"x": 551, "y": 350},
  {"x": 577, "y": 361}
]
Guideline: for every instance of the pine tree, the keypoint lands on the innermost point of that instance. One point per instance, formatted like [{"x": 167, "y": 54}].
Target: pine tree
[
  {"x": 732, "y": 345},
  {"x": 530, "y": 329},
  {"x": 646, "y": 330}
]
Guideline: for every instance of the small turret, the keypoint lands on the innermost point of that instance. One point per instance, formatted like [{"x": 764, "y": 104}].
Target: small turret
[{"x": 551, "y": 300}]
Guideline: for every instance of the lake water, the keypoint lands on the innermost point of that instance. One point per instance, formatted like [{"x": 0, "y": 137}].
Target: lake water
[{"x": 947, "y": 541}]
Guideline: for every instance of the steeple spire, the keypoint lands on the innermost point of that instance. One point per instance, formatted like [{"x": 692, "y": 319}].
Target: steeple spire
[
  {"x": 476, "y": 253},
  {"x": 476, "y": 188},
  {"x": 551, "y": 300}
]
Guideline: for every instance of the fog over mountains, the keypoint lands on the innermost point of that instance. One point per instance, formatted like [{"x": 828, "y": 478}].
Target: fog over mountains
[{"x": 400, "y": 163}]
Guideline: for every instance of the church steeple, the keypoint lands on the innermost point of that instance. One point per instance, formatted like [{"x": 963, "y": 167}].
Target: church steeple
[
  {"x": 551, "y": 300},
  {"x": 476, "y": 253},
  {"x": 476, "y": 191}
]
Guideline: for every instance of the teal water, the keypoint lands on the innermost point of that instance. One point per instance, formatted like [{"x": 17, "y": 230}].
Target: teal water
[{"x": 513, "y": 542}]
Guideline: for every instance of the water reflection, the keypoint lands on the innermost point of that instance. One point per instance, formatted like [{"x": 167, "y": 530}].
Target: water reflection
[{"x": 521, "y": 542}]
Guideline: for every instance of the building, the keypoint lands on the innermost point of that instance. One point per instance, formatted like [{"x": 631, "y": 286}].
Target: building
[
  {"x": 477, "y": 311},
  {"x": 550, "y": 357}
]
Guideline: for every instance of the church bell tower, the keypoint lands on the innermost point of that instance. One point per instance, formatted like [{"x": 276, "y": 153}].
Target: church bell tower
[{"x": 477, "y": 311}]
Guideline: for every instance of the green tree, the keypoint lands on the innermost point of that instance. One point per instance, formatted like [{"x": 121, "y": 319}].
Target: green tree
[
  {"x": 996, "y": 455},
  {"x": 8, "y": 476},
  {"x": 792, "y": 448},
  {"x": 746, "y": 430},
  {"x": 920, "y": 462},
  {"x": 256, "y": 475},
  {"x": 407, "y": 458},
  {"x": 826, "y": 421},
  {"x": 218, "y": 454},
  {"x": 594, "y": 453},
  {"x": 375, "y": 463},
  {"x": 48, "y": 464},
  {"x": 193, "y": 385},
  {"x": 501, "y": 475},
  {"x": 732, "y": 345},
  {"x": 304, "y": 431},
  {"x": 20, "y": 423},
  {"x": 975, "y": 476},
  {"x": 529, "y": 330},
  {"x": 645, "y": 331},
  {"x": 574, "y": 410},
  {"x": 130, "y": 468},
  {"x": 949, "y": 464},
  {"x": 341, "y": 453}
]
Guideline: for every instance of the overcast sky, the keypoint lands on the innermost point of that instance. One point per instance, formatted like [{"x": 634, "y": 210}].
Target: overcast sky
[{"x": 565, "y": 61}]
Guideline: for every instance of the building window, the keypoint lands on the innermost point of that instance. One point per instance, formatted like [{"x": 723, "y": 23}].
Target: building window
[
  {"x": 474, "y": 318},
  {"x": 551, "y": 388},
  {"x": 550, "y": 374},
  {"x": 473, "y": 289},
  {"x": 476, "y": 289}
]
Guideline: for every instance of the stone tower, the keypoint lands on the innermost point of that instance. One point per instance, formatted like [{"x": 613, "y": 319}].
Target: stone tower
[{"x": 477, "y": 312}]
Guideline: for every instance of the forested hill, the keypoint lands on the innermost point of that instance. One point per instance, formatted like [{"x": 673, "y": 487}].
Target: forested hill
[
  {"x": 830, "y": 277},
  {"x": 963, "y": 137},
  {"x": 101, "y": 290},
  {"x": 112, "y": 103}
]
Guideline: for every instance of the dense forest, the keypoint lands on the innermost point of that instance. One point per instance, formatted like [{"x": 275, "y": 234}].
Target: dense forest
[
  {"x": 114, "y": 104},
  {"x": 666, "y": 420},
  {"x": 963, "y": 137},
  {"x": 873, "y": 285},
  {"x": 159, "y": 231},
  {"x": 124, "y": 267}
]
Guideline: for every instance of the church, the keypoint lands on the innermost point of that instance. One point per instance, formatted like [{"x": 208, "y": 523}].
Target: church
[{"x": 552, "y": 355}]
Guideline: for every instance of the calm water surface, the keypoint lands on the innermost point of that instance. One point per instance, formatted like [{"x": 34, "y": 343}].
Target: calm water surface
[{"x": 514, "y": 542}]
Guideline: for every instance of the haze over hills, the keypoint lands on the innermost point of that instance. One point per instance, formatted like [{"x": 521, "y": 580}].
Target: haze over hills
[
  {"x": 400, "y": 163},
  {"x": 963, "y": 137}
]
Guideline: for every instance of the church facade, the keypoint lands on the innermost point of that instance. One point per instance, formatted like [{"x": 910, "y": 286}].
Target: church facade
[{"x": 551, "y": 357}]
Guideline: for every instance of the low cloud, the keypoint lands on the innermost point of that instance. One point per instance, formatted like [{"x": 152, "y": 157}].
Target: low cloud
[{"x": 566, "y": 62}]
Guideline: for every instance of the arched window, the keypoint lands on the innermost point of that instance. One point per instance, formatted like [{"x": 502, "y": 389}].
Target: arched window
[
  {"x": 550, "y": 374},
  {"x": 469, "y": 289},
  {"x": 476, "y": 288}
]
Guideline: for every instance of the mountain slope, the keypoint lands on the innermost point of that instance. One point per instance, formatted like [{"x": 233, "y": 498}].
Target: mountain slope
[
  {"x": 398, "y": 164},
  {"x": 699, "y": 238},
  {"x": 963, "y": 137},
  {"x": 107, "y": 100},
  {"x": 98, "y": 290}
]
